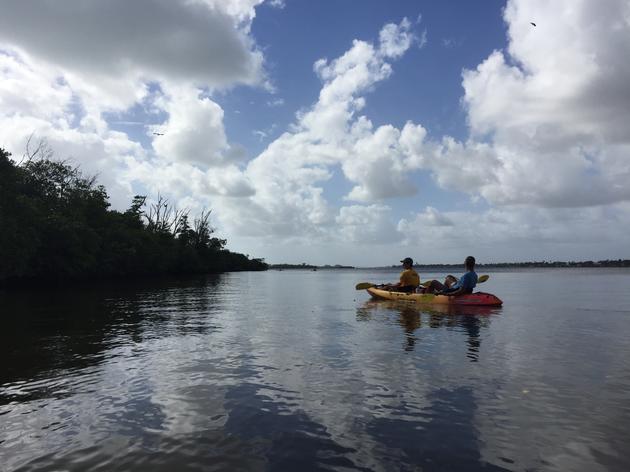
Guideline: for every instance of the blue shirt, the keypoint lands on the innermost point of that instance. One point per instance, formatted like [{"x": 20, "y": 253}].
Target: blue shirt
[{"x": 468, "y": 281}]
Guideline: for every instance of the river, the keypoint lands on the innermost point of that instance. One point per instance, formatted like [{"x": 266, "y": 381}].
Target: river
[{"x": 296, "y": 371}]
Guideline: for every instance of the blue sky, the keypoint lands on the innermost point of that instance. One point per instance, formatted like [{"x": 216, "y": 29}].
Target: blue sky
[
  {"x": 426, "y": 86},
  {"x": 341, "y": 131}
]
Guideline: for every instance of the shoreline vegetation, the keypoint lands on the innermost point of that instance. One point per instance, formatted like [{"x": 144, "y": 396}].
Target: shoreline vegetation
[
  {"x": 306, "y": 266},
  {"x": 56, "y": 225},
  {"x": 498, "y": 265}
]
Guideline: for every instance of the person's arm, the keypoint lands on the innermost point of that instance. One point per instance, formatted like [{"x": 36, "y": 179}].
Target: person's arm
[
  {"x": 390, "y": 286},
  {"x": 462, "y": 285},
  {"x": 459, "y": 286},
  {"x": 401, "y": 282}
]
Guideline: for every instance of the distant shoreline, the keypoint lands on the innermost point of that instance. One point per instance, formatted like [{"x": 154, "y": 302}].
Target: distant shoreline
[{"x": 499, "y": 265}]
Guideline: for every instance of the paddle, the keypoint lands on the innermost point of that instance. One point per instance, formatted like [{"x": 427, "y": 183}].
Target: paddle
[{"x": 366, "y": 285}]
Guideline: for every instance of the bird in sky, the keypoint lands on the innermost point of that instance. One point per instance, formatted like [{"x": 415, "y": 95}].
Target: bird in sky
[
  {"x": 159, "y": 134},
  {"x": 532, "y": 23}
]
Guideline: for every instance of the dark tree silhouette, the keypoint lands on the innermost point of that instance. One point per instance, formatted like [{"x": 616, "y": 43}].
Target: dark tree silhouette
[{"x": 55, "y": 224}]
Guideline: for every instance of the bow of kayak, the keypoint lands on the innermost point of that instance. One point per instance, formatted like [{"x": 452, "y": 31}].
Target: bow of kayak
[{"x": 473, "y": 299}]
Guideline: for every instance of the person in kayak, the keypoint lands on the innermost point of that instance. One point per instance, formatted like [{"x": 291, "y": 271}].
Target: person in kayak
[
  {"x": 452, "y": 286},
  {"x": 409, "y": 278}
]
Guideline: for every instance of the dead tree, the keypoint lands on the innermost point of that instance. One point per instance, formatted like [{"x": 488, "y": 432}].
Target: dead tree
[{"x": 164, "y": 218}]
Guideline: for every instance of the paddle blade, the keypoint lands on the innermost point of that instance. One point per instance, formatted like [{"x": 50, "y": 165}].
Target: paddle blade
[{"x": 364, "y": 285}]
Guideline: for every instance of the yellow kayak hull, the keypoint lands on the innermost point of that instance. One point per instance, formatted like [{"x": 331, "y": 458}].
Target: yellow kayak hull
[{"x": 473, "y": 299}]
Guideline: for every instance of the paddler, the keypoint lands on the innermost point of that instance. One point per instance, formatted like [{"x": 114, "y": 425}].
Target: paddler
[
  {"x": 409, "y": 278},
  {"x": 453, "y": 286}
]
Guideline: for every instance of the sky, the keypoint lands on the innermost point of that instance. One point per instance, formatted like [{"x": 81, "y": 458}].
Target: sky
[{"x": 341, "y": 132}]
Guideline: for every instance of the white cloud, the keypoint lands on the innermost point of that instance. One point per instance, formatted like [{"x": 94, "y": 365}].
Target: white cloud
[
  {"x": 467, "y": 167},
  {"x": 46, "y": 97},
  {"x": 369, "y": 224},
  {"x": 433, "y": 217},
  {"x": 180, "y": 181},
  {"x": 379, "y": 167},
  {"x": 275, "y": 102},
  {"x": 396, "y": 39},
  {"x": 288, "y": 175},
  {"x": 198, "y": 41},
  {"x": 261, "y": 134},
  {"x": 550, "y": 118},
  {"x": 194, "y": 130},
  {"x": 277, "y": 3}
]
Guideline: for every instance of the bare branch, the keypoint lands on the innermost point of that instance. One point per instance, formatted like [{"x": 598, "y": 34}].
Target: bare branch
[
  {"x": 42, "y": 151},
  {"x": 163, "y": 218}
]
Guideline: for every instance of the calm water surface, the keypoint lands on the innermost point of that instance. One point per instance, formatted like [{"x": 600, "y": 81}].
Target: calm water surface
[{"x": 295, "y": 370}]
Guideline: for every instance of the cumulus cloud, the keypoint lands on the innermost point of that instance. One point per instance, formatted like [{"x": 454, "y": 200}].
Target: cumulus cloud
[
  {"x": 46, "y": 98},
  {"x": 548, "y": 113},
  {"x": 194, "y": 130},
  {"x": 369, "y": 224},
  {"x": 290, "y": 172},
  {"x": 396, "y": 39},
  {"x": 378, "y": 165},
  {"x": 183, "y": 181},
  {"x": 198, "y": 41}
]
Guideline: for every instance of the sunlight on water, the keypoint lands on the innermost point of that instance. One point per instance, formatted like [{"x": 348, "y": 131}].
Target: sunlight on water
[{"x": 296, "y": 370}]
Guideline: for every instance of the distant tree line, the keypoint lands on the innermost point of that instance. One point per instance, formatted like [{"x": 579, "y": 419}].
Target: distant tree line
[
  {"x": 604, "y": 263},
  {"x": 550, "y": 264},
  {"x": 304, "y": 265},
  {"x": 55, "y": 224}
]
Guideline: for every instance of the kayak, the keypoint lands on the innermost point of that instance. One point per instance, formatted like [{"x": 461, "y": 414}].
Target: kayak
[{"x": 472, "y": 299}]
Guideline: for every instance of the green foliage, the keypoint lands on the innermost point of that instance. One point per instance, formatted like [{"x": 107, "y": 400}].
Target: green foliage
[{"x": 55, "y": 224}]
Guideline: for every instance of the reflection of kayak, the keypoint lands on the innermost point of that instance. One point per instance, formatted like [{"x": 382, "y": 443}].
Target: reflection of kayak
[{"x": 473, "y": 299}]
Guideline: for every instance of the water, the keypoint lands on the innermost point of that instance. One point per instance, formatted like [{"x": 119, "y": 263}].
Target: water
[{"x": 295, "y": 370}]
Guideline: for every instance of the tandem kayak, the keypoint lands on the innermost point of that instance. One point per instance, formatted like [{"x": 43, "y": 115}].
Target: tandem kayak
[{"x": 473, "y": 299}]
